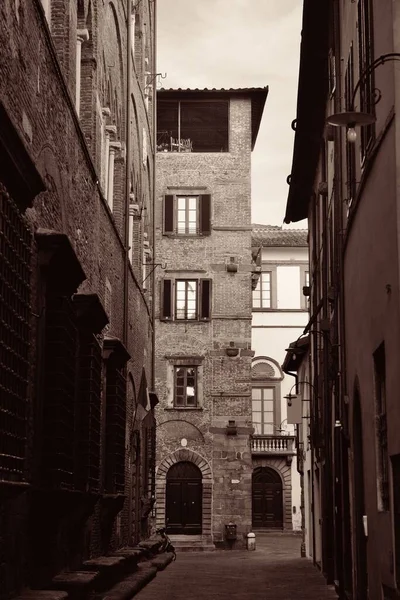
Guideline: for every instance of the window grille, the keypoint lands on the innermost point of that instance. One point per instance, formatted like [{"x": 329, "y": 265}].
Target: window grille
[
  {"x": 88, "y": 413},
  {"x": 149, "y": 483},
  {"x": 60, "y": 386},
  {"x": 115, "y": 430},
  {"x": 15, "y": 313}
]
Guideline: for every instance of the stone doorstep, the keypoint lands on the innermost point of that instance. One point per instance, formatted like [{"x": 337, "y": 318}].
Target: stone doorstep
[
  {"x": 151, "y": 544},
  {"x": 162, "y": 560},
  {"x": 110, "y": 568},
  {"x": 73, "y": 580},
  {"x": 43, "y": 595},
  {"x": 193, "y": 548},
  {"x": 131, "y": 585},
  {"x": 103, "y": 562}
]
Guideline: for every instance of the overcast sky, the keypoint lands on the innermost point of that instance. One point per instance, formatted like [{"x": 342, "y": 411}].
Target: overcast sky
[{"x": 241, "y": 43}]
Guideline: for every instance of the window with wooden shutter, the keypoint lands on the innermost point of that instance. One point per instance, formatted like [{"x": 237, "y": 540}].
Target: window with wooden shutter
[
  {"x": 166, "y": 299},
  {"x": 205, "y": 214},
  {"x": 187, "y": 215},
  {"x": 168, "y": 214},
  {"x": 205, "y": 299}
]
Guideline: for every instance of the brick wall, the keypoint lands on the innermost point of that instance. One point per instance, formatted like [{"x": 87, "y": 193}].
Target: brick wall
[
  {"x": 226, "y": 380},
  {"x": 37, "y": 90}
]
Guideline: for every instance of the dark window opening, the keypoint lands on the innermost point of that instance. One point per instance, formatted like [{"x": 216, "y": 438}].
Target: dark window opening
[
  {"x": 192, "y": 126},
  {"x": 15, "y": 315},
  {"x": 60, "y": 389},
  {"x": 365, "y": 53},
  {"x": 350, "y": 148},
  {"x": 88, "y": 413},
  {"x": 115, "y": 429},
  {"x": 381, "y": 426}
]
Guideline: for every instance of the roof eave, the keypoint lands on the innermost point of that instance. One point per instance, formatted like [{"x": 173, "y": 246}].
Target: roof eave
[{"x": 311, "y": 107}]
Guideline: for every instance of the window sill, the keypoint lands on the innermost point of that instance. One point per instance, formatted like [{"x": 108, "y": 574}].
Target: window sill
[
  {"x": 193, "y": 152},
  {"x": 185, "y": 320},
  {"x": 282, "y": 310},
  {"x": 191, "y": 408},
  {"x": 187, "y": 236}
]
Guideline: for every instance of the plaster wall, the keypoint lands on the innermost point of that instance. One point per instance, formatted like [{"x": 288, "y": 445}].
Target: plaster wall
[
  {"x": 372, "y": 317},
  {"x": 273, "y": 331}
]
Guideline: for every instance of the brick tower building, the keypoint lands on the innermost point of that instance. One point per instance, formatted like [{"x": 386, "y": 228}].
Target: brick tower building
[{"x": 203, "y": 310}]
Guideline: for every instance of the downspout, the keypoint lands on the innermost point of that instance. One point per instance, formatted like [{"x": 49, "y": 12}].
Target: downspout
[
  {"x": 128, "y": 166},
  {"x": 153, "y": 208}
]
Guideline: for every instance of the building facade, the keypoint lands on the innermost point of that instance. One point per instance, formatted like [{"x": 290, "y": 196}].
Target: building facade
[
  {"x": 280, "y": 313},
  {"x": 346, "y": 182},
  {"x": 77, "y": 371},
  {"x": 203, "y": 310}
]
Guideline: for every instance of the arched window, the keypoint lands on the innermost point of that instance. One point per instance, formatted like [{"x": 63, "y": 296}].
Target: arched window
[{"x": 266, "y": 376}]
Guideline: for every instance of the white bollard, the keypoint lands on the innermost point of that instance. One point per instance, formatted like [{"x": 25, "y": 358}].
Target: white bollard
[{"x": 251, "y": 541}]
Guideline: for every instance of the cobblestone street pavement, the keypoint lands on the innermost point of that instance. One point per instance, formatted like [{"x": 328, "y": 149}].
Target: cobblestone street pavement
[{"x": 274, "y": 571}]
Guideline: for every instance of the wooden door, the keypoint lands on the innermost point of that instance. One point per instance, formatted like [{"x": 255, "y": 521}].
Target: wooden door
[
  {"x": 184, "y": 499},
  {"x": 267, "y": 499}
]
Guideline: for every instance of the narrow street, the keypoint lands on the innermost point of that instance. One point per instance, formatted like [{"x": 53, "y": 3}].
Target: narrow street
[{"x": 274, "y": 571}]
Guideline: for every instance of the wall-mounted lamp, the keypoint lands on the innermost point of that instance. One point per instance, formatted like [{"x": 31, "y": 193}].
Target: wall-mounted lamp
[{"x": 352, "y": 118}]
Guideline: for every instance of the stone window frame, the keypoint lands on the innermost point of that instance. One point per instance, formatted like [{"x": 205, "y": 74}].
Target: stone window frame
[
  {"x": 272, "y": 290},
  {"x": 270, "y": 382},
  {"x": 276, "y": 387},
  {"x": 174, "y": 361}
]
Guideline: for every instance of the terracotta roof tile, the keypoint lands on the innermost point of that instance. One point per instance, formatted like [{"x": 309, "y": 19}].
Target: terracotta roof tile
[
  {"x": 250, "y": 89},
  {"x": 274, "y": 235}
]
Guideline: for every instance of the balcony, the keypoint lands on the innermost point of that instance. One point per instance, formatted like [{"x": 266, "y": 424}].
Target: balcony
[{"x": 277, "y": 445}]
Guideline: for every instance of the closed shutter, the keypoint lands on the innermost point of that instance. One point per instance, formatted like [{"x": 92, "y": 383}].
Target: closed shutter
[
  {"x": 166, "y": 299},
  {"x": 205, "y": 214},
  {"x": 168, "y": 214},
  {"x": 205, "y": 299}
]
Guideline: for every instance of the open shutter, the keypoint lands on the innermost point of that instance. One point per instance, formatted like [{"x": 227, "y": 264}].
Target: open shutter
[
  {"x": 166, "y": 299},
  {"x": 168, "y": 214},
  {"x": 205, "y": 214},
  {"x": 205, "y": 299}
]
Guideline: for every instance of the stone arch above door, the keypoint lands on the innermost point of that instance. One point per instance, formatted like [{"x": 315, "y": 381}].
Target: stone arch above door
[
  {"x": 284, "y": 471},
  {"x": 181, "y": 455}
]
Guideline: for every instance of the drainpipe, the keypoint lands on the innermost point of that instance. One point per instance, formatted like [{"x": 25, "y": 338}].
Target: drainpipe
[
  {"x": 128, "y": 166},
  {"x": 153, "y": 276}
]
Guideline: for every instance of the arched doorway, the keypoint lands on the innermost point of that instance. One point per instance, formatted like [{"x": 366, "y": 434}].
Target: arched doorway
[
  {"x": 184, "y": 499},
  {"x": 267, "y": 499}
]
